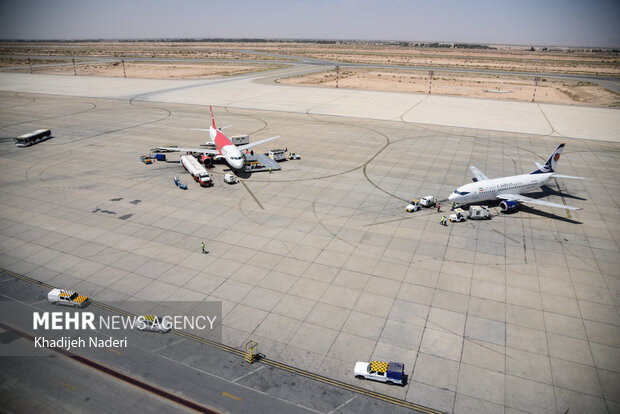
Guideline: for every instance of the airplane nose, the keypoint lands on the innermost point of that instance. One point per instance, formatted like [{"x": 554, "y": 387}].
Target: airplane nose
[{"x": 451, "y": 197}]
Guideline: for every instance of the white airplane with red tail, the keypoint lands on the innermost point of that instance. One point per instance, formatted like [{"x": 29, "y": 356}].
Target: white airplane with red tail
[{"x": 224, "y": 148}]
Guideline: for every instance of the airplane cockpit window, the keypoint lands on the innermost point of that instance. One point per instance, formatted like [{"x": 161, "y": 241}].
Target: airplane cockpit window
[{"x": 461, "y": 192}]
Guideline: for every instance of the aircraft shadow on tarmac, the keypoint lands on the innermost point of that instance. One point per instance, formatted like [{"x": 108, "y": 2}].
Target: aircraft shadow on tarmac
[
  {"x": 547, "y": 191},
  {"x": 242, "y": 174},
  {"x": 533, "y": 210},
  {"x": 540, "y": 213}
]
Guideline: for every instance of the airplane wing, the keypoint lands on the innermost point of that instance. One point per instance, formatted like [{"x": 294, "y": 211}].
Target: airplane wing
[
  {"x": 523, "y": 199},
  {"x": 568, "y": 176},
  {"x": 478, "y": 174},
  {"x": 179, "y": 149},
  {"x": 252, "y": 144}
]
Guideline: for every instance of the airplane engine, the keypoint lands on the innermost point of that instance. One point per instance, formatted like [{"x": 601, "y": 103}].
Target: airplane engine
[
  {"x": 508, "y": 206},
  {"x": 207, "y": 161}
]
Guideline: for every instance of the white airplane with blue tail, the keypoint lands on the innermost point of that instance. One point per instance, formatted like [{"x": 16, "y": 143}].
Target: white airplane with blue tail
[{"x": 509, "y": 189}]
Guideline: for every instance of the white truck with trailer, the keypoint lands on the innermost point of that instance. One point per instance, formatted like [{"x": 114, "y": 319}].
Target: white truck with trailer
[
  {"x": 200, "y": 174},
  {"x": 66, "y": 298}
]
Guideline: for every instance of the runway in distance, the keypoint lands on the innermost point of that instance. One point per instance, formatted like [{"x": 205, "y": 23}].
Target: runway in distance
[
  {"x": 509, "y": 189},
  {"x": 223, "y": 146}
]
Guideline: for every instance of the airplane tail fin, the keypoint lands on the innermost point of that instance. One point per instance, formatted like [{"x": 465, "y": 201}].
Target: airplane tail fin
[
  {"x": 213, "y": 118},
  {"x": 551, "y": 163}
]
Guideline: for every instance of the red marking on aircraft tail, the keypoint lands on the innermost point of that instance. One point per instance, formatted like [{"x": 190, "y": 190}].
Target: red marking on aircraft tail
[
  {"x": 221, "y": 140},
  {"x": 212, "y": 117}
]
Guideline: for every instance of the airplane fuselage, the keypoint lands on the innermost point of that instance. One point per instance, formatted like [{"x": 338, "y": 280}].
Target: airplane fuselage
[
  {"x": 226, "y": 148},
  {"x": 490, "y": 189}
]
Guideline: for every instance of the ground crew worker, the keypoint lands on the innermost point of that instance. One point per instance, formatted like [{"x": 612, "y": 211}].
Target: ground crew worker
[
  {"x": 444, "y": 220},
  {"x": 203, "y": 247},
  {"x": 438, "y": 207},
  {"x": 453, "y": 206}
]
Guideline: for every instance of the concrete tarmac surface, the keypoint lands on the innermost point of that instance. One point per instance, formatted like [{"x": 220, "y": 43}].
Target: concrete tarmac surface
[{"x": 319, "y": 263}]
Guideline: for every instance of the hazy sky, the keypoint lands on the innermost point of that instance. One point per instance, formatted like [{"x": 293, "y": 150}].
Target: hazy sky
[{"x": 524, "y": 22}]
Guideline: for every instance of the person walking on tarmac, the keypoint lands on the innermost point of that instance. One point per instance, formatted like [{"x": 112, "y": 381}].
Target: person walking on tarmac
[
  {"x": 203, "y": 247},
  {"x": 444, "y": 221},
  {"x": 453, "y": 206},
  {"x": 438, "y": 207}
]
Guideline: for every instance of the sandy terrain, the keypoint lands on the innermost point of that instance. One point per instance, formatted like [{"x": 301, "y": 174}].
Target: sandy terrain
[
  {"x": 197, "y": 50},
  {"x": 8, "y": 62},
  {"x": 155, "y": 70},
  {"x": 507, "y": 58},
  {"x": 503, "y": 87},
  {"x": 500, "y": 58}
]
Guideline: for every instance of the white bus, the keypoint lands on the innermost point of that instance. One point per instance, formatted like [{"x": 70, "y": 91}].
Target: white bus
[{"x": 32, "y": 138}]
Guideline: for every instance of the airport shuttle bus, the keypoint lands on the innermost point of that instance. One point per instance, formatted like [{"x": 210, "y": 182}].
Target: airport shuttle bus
[{"x": 32, "y": 138}]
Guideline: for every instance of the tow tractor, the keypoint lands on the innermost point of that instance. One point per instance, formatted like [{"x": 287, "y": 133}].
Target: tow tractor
[
  {"x": 146, "y": 159},
  {"x": 414, "y": 205},
  {"x": 459, "y": 215},
  {"x": 388, "y": 372}
]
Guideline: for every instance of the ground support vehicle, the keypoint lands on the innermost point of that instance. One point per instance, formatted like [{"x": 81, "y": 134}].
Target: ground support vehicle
[
  {"x": 428, "y": 201},
  {"x": 240, "y": 139},
  {"x": 200, "y": 174},
  {"x": 293, "y": 156},
  {"x": 414, "y": 205},
  {"x": 458, "y": 215},
  {"x": 66, "y": 298},
  {"x": 153, "y": 323},
  {"x": 388, "y": 372},
  {"x": 32, "y": 138},
  {"x": 277, "y": 154},
  {"x": 230, "y": 179},
  {"x": 146, "y": 159},
  {"x": 479, "y": 213}
]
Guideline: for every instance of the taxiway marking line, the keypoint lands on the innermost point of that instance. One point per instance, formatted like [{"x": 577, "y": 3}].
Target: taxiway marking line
[
  {"x": 71, "y": 387},
  {"x": 225, "y": 394},
  {"x": 252, "y": 194}
]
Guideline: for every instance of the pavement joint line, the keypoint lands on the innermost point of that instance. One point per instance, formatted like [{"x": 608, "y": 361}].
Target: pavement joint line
[
  {"x": 508, "y": 237},
  {"x": 275, "y": 364},
  {"x": 343, "y": 404},
  {"x": 249, "y": 373},
  {"x": 252, "y": 194},
  {"x": 167, "y": 345}
]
